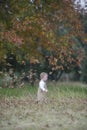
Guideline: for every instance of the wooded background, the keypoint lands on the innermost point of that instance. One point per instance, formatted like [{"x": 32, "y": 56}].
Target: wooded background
[{"x": 43, "y": 35}]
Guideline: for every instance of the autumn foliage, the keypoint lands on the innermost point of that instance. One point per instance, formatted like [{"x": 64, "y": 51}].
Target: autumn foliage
[{"x": 41, "y": 28}]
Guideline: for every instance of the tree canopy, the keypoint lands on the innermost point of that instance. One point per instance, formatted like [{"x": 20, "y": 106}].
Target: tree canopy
[{"x": 41, "y": 27}]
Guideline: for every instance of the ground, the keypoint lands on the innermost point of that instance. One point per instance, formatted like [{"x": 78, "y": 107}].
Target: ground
[{"x": 66, "y": 109}]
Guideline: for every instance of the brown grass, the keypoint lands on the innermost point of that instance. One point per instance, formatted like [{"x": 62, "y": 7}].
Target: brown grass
[{"x": 62, "y": 112}]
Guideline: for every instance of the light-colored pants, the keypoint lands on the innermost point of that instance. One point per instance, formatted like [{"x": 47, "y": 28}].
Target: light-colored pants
[{"x": 41, "y": 96}]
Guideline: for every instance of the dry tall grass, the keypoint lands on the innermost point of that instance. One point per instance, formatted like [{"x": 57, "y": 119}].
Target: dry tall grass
[{"x": 66, "y": 108}]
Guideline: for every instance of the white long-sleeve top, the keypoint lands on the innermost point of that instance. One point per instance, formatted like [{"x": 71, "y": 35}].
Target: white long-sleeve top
[{"x": 42, "y": 86}]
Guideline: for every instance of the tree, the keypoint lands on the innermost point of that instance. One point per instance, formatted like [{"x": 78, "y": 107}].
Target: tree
[
  {"x": 84, "y": 61},
  {"x": 30, "y": 27}
]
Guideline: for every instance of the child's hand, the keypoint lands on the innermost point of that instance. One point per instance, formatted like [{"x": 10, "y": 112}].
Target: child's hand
[{"x": 46, "y": 90}]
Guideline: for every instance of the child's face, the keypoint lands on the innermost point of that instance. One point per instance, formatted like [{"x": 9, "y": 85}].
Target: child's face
[{"x": 45, "y": 77}]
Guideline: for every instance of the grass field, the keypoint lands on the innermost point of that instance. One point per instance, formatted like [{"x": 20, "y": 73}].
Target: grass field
[{"x": 66, "y": 108}]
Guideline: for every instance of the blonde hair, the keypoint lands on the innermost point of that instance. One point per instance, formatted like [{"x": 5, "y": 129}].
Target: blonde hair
[{"x": 42, "y": 75}]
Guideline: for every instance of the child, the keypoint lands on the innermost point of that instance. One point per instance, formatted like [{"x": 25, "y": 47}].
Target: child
[{"x": 42, "y": 90}]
